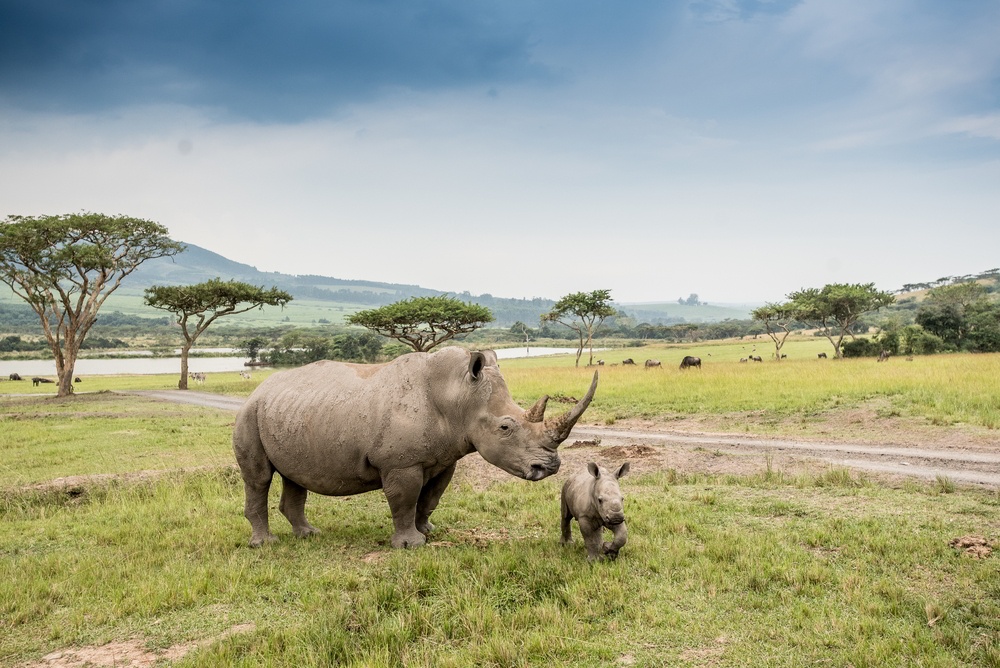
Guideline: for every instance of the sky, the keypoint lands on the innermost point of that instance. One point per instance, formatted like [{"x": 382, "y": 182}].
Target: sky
[{"x": 737, "y": 149}]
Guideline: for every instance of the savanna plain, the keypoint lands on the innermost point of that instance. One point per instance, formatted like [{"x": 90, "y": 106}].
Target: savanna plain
[{"x": 122, "y": 539}]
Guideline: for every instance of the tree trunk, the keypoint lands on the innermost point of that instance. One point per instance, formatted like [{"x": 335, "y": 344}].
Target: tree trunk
[
  {"x": 183, "y": 383},
  {"x": 579, "y": 350},
  {"x": 65, "y": 372}
]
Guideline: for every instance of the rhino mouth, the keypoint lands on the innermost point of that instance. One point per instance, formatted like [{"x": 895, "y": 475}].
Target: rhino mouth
[{"x": 539, "y": 471}]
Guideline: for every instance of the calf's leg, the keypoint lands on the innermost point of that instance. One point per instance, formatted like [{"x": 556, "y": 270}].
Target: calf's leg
[{"x": 567, "y": 517}]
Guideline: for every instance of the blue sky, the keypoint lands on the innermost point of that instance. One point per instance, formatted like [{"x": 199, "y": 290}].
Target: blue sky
[{"x": 737, "y": 149}]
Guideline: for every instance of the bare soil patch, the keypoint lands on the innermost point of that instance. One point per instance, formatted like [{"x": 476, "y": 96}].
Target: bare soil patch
[
  {"x": 973, "y": 545},
  {"x": 127, "y": 653}
]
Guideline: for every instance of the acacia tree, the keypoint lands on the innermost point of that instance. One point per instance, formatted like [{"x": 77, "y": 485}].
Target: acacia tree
[
  {"x": 836, "y": 308},
  {"x": 777, "y": 320},
  {"x": 197, "y": 306},
  {"x": 424, "y": 322},
  {"x": 583, "y": 312},
  {"x": 66, "y": 266}
]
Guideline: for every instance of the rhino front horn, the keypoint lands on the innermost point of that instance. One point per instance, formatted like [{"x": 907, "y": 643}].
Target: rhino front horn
[{"x": 558, "y": 428}]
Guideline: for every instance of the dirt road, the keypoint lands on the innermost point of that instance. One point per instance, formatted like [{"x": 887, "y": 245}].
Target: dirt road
[{"x": 724, "y": 453}]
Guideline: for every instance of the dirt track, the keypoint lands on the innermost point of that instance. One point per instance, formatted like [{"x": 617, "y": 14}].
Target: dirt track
[{"x": 725, "y": 453}]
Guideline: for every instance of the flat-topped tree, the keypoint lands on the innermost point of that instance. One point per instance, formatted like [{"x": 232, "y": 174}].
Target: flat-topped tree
[
  {"x": 777, "y": 320},
  {"x": 197, "y": 306},
  {"x": 583, "y": 312},
  {"x": 424, "y": 322},
  {"x": 66, "y": 266},
  {"x": 836, "y": 308}
]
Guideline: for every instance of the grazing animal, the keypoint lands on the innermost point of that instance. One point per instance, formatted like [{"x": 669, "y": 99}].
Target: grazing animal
[
  {"x": 689, "y": 362},
  {"x": 909, "y": 358},
  {"x": 756, "y": 358},
  {"x": 652, "y": 363},
  {"x": 15, "y": 376},
  {"x": 77, "y": 380},
  {"x": 883, "y": 356},
  {"x": 35, "y": 381},
  {"x": 742, "y": 360},
  {"x": 341, "y": 429},
  {"x": 245, "y": 375},
  {"x": 600, "y": 362},
  {"x": 199, "y": 377},
  {"x": 628, "y": 361},
  {"x": 783, "y": 356},
  {"x": 595, "y": 500},
  {"x": 821, "y": 356}
]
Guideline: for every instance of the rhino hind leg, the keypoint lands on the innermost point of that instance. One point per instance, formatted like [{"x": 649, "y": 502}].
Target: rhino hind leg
[
  {"x": 257, "y": 472},
  {"x": 293, "y": 507},
  {"x": 567, "y": 518},
  {"x": 402, "y": 489},
  {"x": 430, "y": 495}
]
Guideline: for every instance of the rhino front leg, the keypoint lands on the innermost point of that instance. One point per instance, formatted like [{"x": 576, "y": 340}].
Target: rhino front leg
[
  {"x": 402, "y": 489},
  {"x": 620, "y": 538},
  {"x": 593, "y": 538},
  {"x": 430, "y": 495},
  {"x": 293, "y": 507}
]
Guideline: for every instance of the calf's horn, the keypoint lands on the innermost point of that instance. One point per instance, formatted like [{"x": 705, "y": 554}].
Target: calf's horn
[
  {"x": 537, "y": 412},
  {"x": 558, "y": 428}
]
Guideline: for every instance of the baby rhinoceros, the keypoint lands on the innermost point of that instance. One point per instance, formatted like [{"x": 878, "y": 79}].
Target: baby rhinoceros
[{"x": 594, "y": 498}]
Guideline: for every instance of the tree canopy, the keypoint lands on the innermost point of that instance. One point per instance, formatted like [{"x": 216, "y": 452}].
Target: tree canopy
[
  {"x": 837, "y": 307},
  {"x": 583, "y": 312},
  {"x": 66, "y": 266},
  {"x": 424, "y": 322},
  {"x": 197, "y": 306},
  {"x": 777, "y": 320}
]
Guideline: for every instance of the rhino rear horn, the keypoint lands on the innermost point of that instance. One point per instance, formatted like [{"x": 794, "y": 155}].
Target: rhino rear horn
[
  {"x": 560, "y": 427},
  {"x": 537, "y": 412}
]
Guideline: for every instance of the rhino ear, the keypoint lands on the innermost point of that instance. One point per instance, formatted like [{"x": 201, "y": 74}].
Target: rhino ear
[
  {"x": 623, "y": 470},
  {"x": 476, "y": 363},
  {"x": 594, "y": 471}
]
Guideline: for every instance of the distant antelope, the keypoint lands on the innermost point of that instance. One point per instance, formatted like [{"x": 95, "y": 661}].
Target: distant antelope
[{"x": 245, "y": 375}]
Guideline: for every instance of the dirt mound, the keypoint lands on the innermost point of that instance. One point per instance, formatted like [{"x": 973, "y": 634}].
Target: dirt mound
[
  {"x": 584, "y": 444},
  {"x": 974, "y": 545},
  {"x": 622, "y": 451}
]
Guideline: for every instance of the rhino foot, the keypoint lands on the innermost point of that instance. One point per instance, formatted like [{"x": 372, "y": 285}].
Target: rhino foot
[
  {"x": 425, "y": 528},
  {"x": 305, "y": 532},
  {"x": 408, "y": 539},
  {"x": 257, "y": 541}
]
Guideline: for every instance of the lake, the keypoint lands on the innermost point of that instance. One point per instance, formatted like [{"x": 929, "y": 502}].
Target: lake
[{"x": 143, "y": 366}]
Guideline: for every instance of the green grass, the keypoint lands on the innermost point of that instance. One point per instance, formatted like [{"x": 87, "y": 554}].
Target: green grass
[{"x": 767, "y": 569}]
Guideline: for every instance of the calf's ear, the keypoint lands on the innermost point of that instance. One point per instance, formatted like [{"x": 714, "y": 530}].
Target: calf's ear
[
  {"x": 623, "y": 470},
  {"x": 594, "y": 471}
]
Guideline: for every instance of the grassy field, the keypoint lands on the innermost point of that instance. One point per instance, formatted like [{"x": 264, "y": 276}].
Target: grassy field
[
  {"x": 147, "y": 547},
  {"x": 758, "y": 570}
]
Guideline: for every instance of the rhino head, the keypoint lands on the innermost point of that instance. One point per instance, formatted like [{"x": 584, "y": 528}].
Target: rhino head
[{"x": 521, "y": 442}]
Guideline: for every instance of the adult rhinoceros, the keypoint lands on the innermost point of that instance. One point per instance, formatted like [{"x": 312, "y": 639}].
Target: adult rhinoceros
[{"x": 340, "y": 429}]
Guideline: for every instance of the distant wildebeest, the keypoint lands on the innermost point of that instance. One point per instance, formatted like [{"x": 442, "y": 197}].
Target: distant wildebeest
[
  {"x": 742, "y": 360},
  {"x": 821, "y": 356},
  {"x": 783, "y": 355},
  {"x": 36, "y": 380},
  {"x": 628, "y": 361},
  {"x": 600, "y": 362},
  {"x": 690, "y": 361},
  {"x": 15, "y": 376},
  {"x": 756, "y": 358},
  {"x": 883, "y": 356},
  {"x": 651, "y": 363},
  {"x": 77, "y": 380}
]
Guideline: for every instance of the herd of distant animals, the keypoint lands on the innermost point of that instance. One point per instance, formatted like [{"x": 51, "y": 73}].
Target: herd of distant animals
[{"x": 686, "y": 363}]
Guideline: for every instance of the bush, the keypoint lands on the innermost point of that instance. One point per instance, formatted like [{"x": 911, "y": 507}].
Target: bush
[
  {"x": 915, "y": 340},
  {"x": 861, "y": 348}
]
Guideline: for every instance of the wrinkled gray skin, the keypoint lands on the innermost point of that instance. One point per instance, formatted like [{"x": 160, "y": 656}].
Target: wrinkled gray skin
[
  {"x": 340, "y": 429},
  {"x": 594, "y": 498}
]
